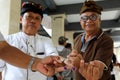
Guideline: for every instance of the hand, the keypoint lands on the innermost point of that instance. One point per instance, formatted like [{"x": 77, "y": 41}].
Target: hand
[
  {"x": 100, "y": 65},
  {"x": 90, "y": 71},
  {"x": 48, "y": 66},
  {"x": 73, "y": 53},
  {"x": 73, "y": 60}
]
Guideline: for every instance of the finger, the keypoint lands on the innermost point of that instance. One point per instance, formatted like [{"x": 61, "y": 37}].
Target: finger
[
  {"x": 82, "y": 66},
  {"x": 75, "y": 61},
  {"x": 57, "y": 61},
  {"x": 99, "y": 64},
  {"x": 48, "y": 60},
  {"x": 50, "y": 70},
  {"x": 73, "y": 53},
  {"x": 90, "y": 70},
  {"x": 68, "y": 63},
  {"x": 56, "y": 58},
  {"x": 96, "y": 73},
  {"x": 41, "y": 68},
  {"x": 56, "y": 64},
  {"x": 60, "y": 59},
  {"x": 83, "y": 69},
  {"x": 96, "y": 63},
  {"x": 80, "y": 56},
  {"x": 59, "y": 69}
]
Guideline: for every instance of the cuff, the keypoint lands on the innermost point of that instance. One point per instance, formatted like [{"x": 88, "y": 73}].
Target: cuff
[{"x": 106, "y": 67}]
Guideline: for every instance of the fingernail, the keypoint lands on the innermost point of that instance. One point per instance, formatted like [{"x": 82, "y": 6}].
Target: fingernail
[
  {"x": 65, "y": 67},
  {"x": 92, "y": 63},
  {"x": 73, "y": 68},
  {"x": 82, "y": 61}
]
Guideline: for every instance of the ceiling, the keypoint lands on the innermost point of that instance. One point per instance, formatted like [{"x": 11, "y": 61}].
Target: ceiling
[{"x": 110, "y": 15}]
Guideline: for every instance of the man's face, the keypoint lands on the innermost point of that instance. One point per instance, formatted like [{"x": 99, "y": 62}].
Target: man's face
[
  {"x": 30, "y": 22},
  {"x": 90, "y": 21}
]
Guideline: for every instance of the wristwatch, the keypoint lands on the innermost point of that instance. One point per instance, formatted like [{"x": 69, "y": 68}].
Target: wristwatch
[{"x": 31, "y": 62}]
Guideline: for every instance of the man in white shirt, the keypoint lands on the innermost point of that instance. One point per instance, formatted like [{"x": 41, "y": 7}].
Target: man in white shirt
[
  {"x": 29, "y": 42},
  {"x": 25, "y": 61}
]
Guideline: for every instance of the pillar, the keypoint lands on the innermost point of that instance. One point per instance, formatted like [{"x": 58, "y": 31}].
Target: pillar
[
  {"x": 9, "y": 16},
  {"x": 58, "y": 22}
]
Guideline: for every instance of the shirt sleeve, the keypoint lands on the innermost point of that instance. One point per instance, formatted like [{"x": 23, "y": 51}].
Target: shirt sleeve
[
  {"x": 1, "y": 37},
  {"x": 50, "y": 49},
  {"x": 2, "y": 65},
  {"x": 105, "y": 51},
  {"x": 106, "y": 67}
]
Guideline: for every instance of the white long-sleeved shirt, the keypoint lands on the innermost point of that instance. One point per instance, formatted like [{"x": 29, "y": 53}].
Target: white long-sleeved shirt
[{"x": 38, "y": 46}]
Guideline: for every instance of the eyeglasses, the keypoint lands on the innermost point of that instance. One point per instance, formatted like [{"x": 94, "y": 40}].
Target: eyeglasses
[
  {"x": 92, "y": 17},
  {"x": 30, "y": 17},
  {"x": 24, "y": 4}
]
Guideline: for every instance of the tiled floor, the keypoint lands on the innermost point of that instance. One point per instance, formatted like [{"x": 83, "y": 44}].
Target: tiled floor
[{"x": 117, "y": 72}]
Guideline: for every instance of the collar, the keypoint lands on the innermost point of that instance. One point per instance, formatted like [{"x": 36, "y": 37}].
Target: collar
[
  {"x": 97, "y": 36},
  {"x": 28, "y": 36}
]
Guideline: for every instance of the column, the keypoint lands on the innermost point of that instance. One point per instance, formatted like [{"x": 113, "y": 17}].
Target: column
[
  {"x": 9, "y": 16},
  {"x": 57, "y": 27}
]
